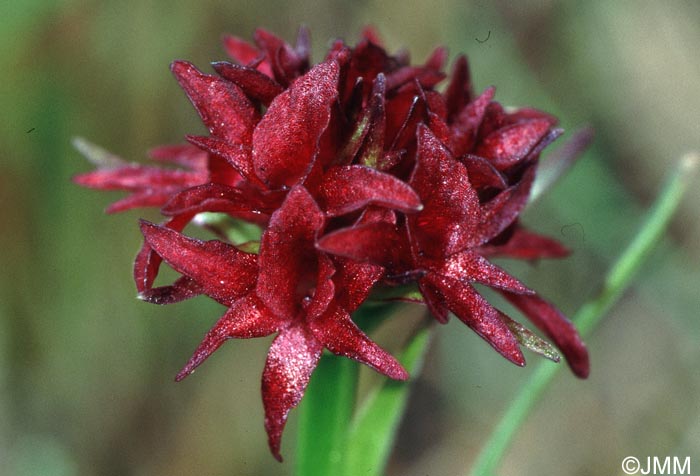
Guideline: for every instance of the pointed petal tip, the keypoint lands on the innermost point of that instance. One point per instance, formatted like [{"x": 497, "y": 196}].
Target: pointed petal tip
[
  {"x": 179, "y": 66},
  {"x": 121, "y": 206},
  {"x": 79, "y": 179},
  {"x": 580, "y": 365},
  {"x": 146, "y": 226},
  {"x": 275, "y": 450},
  {"x": 188, "y": 369},
  {"x": 276, "y": 454},
  {"x": 582, "y": 372},
  {"x": 195, "y": 361},
  {"x": 274, "y": 440},
  {"x": 182, "y": 374},
  {"x": 518, "y": 358},
  {"x": 400, "y": 374}
]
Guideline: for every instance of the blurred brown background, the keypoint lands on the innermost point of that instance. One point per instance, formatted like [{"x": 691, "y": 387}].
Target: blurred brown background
[{"x": 86, "y": 370}]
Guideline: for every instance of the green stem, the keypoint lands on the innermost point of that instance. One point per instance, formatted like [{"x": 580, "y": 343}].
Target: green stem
[
  {"x": 324, "y": 416},
  {"x": 374, "y": 428},
  {"x": 588, "y": 317}
]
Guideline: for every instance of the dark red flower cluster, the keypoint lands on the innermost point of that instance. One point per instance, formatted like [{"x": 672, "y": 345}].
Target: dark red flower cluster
[{"x": 360, "y": 174}]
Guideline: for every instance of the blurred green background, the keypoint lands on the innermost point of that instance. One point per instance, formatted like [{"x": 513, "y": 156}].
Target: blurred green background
[{"x": 86, "y": 370}]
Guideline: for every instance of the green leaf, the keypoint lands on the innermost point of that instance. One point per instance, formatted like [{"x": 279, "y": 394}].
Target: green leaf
[
  {"x": 324, "y": 416},
  {"x": 374, "y": 428}
]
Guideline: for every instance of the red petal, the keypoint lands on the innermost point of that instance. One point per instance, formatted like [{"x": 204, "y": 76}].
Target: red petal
[
  {"x": 468, "y": 266},
  {"x": 246, "y": 318},
  {"x": 450, "y": 216},
  {"x": 369, "y": 33},
  {"x": 379, "y": 243},
  {"x": 224, "y": 109},
  {"x": 459, "y": 90},
  {"x": 147, "y": 262},
  {"x": 254, "y": 83},
  {"x": 524, "y": 244},
  {"x": 224, "y": 272},
  {"x": 466, "y": 124},
  {"x": 502, "y": 210},
  {"x": 437, "y": 59},
  {"x": 144, "y": 198},
  {"x": 183, "y": 288},
  {"x": 137, "y": 177},
  {"x": 509, "y": 145},
  {"x": 324, "y": 290},
  {"x": 397, "y": 109},
  {"x": 439, "y": 127},
  {"x": 406, "y": 134},
  {"x": 548, "y": 138},
  {"x": 482, "y": 174},
  {"x": 214, "y": 197},
  {"x": 336, "y": 331},
  {"x": 286, "y": 140},
  {"x": 472, "y": 309},
  {"x": 286, "y": 64},
  {"x": 557, "y": 327},
  {"x": 237, "y": 155},
  {"x": 427, "y": 78},
  {"x": 287, "y": 255},
  {"x": 435, "y": 302},
  {"x": 354, "y": 281},
  {"x": 346, "y": 189},
  {"x": 292, "y": 358},
  {"x": 182, "y": 154},
  {"x": 376, "y": 214},
  {"x": 240, "y": 50},
  {"x": 527, "y": 114},
  {"x": 367, "y": 61}
]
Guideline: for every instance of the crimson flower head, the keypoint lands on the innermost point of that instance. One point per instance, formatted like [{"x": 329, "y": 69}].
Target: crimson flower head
[{"x": 360, "y": 177}]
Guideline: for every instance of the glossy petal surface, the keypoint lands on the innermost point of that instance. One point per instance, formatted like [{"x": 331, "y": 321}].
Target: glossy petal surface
[
  {"x": 341, "y": 336},
  {"x": 506, "y": 146},
  {"x": 524, "y": 244},
  {"x": 472, "y": 309},
  {"x": 350, "y": 188},
  {"x": 286, "y": 140},
  {"x": 223, "y": 272},
  {"x": 287, "y": 253},
  {"x": 253, "y": 83},
  {"x": 451, "y": 213},
  {"x": 292, "y": 358},
  {"x": 470, "y": 266},
  {"x": 246, "y": 318},
  {"x": 223, "y": 107},
  {"x": 378, "y": 243}
]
